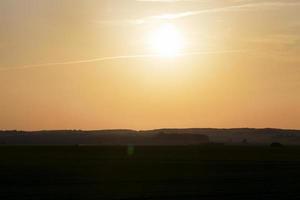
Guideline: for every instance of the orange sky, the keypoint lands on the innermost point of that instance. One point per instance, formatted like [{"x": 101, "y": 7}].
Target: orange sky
[{"x": 87, "y": 64}]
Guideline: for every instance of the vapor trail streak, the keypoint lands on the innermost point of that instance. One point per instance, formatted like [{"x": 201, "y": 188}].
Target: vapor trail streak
[{"x": 113, "y": 58}]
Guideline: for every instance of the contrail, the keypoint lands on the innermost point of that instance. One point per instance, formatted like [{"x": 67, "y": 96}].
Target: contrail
[
  {"x": 114, "y": 58},
  {"x": 248, "y": 5},
  {"x": 76, "y": 62}
]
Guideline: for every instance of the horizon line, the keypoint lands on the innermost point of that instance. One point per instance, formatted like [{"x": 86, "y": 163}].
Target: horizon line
[{"x": 141, "y": 130}]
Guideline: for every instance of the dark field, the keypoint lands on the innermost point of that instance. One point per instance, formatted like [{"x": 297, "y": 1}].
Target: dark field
[{"x": 190, "y": 172}]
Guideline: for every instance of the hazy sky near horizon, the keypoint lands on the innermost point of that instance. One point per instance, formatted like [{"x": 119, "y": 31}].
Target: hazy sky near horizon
[{"x": 88, "y": 64}]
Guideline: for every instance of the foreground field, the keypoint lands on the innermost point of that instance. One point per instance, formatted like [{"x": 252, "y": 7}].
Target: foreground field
[{"x": 190, "y": 172}]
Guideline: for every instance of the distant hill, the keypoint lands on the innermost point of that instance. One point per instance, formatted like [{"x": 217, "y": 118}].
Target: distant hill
[
  {"x": 192, "y": 136},
  {"x": 242, "y": 135},
  {"x": 101, "y": 137}
]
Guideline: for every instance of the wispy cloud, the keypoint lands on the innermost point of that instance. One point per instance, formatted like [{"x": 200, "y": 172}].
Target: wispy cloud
[
  {"x": 240, "y": 7},
  {"x": 233, "y": 6},
  {"x": 100, "y": 59}
]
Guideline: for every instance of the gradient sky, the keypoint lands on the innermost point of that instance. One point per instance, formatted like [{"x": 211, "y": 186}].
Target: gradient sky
[{"x": 86, "y": 64}]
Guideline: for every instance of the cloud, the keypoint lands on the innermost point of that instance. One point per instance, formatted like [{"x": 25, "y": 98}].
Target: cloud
[
  {"x": 100, "y": 59},
  {"x": 240, "y": 7},
  {"x": 233, "y": 6}
]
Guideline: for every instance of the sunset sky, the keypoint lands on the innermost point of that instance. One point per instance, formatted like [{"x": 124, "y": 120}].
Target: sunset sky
[{"x": 143, "y": 64}]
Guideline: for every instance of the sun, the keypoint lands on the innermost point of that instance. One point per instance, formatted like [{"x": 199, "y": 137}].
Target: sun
[{"x": 166, "y": 40}]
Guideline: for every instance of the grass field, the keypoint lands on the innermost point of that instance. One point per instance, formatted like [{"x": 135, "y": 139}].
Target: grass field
[{"x": 190, "y": 172}]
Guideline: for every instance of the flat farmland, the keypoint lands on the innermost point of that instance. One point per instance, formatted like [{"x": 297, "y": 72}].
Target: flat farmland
[{"x": 149, "y": 172}]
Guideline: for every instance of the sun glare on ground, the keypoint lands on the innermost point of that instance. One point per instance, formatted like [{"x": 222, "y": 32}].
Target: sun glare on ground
[{"x": 166, "y": 40}]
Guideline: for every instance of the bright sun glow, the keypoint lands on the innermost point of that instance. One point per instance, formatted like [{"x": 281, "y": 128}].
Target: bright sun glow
[{"x": 167, "y": 40}]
